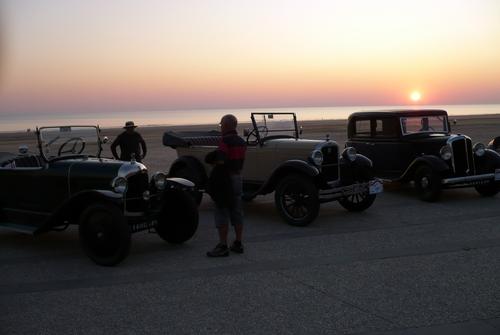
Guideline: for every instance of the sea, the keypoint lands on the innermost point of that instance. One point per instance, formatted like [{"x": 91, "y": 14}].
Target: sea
[{"x": 25, "y": 121}]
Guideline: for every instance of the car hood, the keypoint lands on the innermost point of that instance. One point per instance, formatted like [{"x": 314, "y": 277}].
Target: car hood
[
  {"x": 295, "y": 144},
  {"x": 97, "y": 173},
  {"x": 437, "y": 139}
]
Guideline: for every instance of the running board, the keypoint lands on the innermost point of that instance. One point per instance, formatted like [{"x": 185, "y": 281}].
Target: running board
[{"x": 25, "y": 229}]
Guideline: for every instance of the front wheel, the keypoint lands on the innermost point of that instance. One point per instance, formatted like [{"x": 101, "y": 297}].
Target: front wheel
[
  {"x": 178, "y": 218},
  {"x": 296, "y": 199},
  {"x": 104, "y": 234},
  {"x": 427, "y": 183},
  {"x": 357, "y": 202},
  {"x": 488, "y": 190}
]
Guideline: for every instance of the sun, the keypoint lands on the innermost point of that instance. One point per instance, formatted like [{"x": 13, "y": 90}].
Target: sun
[{"x": 415, "y": 96}]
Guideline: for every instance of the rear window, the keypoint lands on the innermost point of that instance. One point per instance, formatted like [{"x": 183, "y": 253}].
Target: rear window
[{"x": 362, "y": 128}]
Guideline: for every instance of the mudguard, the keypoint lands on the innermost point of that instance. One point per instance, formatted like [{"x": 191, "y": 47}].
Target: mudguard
[
  {"x": 194, "y": 165},
  {"x": 70, "y": 209},
  {"x": 488, "y": 162},
  {"x": 360, "y": 169},
  {"x": 290, "y": 166},
  {"x": 179, "y": 183},
  {"x": 436, "y": 163}
]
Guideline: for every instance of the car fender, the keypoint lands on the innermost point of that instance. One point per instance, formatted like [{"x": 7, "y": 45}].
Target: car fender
[
  {"x": 361, "y": 169},
  {"x": 290, "y": 166},
  {"x": 179, "y": 183},
  {"x": 437, "y": 164},
  {"x": 192, "y": 163},
  {"x": 70, "y": 209},
  {"x": 488, "y": 162}
]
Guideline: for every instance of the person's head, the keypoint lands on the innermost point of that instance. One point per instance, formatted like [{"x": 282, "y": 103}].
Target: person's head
[
  {"x": 228, "y": 123},
  {"x": 130, "y": 126}
]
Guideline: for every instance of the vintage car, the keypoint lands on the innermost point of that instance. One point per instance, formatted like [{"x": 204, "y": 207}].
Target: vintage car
[
  {"x": 69, "y": 183},
  {"x": 303, "y": 173},
  {"x": 418, "y": 146}
]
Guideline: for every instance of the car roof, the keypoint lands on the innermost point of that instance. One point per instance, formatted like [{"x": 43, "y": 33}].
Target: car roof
[{"x": 398, "y": 113}]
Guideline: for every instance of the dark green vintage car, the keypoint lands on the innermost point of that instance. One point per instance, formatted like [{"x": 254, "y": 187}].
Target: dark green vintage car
[{"x": 69, "y": 183}]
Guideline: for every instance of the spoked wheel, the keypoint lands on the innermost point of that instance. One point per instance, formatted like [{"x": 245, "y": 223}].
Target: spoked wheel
[
  {"x": 296, "y": 198},
  {"x": 104, "y": 234},
  {"x": 427, "y": 183},
  {"x": 178, "y": 219},
  {"x": 358, "y": 202}
]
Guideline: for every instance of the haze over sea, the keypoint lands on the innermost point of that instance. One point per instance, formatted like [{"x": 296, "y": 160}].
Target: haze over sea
[{"x": 24, "y": 121}]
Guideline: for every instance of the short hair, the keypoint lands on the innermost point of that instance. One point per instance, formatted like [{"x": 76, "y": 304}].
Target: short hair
[{"x": 230, "y": 120}]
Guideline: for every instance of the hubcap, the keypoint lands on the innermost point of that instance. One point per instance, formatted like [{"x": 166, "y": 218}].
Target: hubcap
[{"x": 424, "y": 182}]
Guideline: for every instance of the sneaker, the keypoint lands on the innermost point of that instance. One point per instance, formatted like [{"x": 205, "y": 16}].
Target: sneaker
[
  {"x": 220, "y": 250},
  {"x": 237, "y": 247}
]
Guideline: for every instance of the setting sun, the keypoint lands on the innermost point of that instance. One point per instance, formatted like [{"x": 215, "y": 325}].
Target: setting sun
[{"x": 415, "y": 96}]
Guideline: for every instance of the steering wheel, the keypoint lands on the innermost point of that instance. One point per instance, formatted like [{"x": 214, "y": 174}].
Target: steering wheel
[
  {"x": 72, "y": 150},
  {"x": 263, "y": 131}
]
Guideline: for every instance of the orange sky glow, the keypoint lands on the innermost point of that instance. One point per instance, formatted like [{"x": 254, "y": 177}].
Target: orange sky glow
[{"x": 131, "y": 55}]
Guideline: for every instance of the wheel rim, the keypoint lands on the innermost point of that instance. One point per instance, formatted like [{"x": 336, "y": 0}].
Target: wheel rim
[
  {"x": 294, "y": 201},
  {"x": 99, "y": 235},
  {"x": 357, "y": 198},
  {"x": 424, "y": 182}
]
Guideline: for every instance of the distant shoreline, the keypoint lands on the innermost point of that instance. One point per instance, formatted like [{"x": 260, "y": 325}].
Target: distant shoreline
[{"x": 112, "y": 128}]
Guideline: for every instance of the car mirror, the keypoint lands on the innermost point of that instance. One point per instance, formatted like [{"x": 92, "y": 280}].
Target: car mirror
[
  {"x": 246, "y": 132},
  {"x": 105, "y": 140},
  {"x": 23, "y": 149}
]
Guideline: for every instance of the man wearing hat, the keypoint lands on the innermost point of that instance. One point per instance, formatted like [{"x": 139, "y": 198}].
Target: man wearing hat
[{"x": 129, "y": 142}]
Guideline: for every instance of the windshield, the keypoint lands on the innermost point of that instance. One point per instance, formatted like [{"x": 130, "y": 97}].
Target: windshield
[
  {"x": 272, "y": 124},
  {"x": 69, "y": 141},
  {"x": 424, "y": 124}
]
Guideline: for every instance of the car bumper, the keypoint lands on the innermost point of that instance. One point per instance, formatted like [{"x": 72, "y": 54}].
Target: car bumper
[
  {"x": 374, "y": 186},
  {"x": 471, "y": 180}
]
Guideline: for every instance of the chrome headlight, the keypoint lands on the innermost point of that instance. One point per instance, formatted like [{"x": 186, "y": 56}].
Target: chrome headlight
[
  {"x": 317, "y": 157},
  {"x": 350, "y": 153},
  {"x": 445, "y": 152},
  {"x": 119, "y": 184},
  {"x": 479, "y": 149},
  {"x": 160, "y": 180}
]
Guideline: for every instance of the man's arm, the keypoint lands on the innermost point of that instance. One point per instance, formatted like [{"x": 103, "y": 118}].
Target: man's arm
[
  {"x": 143, "y": 146},
  {"x": 115, "y": 143}
]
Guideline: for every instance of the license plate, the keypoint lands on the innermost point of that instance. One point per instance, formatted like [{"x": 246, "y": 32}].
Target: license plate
[
  {"x": 376, "y": 187},
  {"x": 497, "y": 175}
]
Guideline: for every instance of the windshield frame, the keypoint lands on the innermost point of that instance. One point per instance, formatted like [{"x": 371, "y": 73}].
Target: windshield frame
[
  {"x": 56, "y": 158},
  {"x": 445, "y": 123},
  {"x": 256, "y": 129}
]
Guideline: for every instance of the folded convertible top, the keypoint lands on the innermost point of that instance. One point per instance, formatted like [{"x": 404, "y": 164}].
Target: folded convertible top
[{"x": 189, "y": 138}]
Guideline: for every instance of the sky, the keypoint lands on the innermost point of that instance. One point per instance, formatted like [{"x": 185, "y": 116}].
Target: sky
[{"x": 135, "y": 55}]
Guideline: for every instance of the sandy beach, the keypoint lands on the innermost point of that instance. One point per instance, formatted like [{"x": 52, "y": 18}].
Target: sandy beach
[{"x": 481, "y": 128}]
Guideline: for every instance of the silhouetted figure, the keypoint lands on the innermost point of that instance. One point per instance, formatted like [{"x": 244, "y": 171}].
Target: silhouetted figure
[{"x": 130, "y": 143}]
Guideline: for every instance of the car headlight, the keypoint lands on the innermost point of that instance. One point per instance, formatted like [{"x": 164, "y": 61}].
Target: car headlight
[
  {"x": 445, "y": 152},
  {"x": 160, "y": 180},
  {"x": 119, "y": 184},
  {"x": 317, "y": 157},
  {"x": 479, "y": 149},
  {"x": 350, "y": 153}
]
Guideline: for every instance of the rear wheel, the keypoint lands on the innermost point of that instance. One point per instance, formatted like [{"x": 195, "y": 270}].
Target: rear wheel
[
  {"x": 178, "y": 219},
  {"x": 488, "y": 190},
  {"x": 190, "y": 174},
  {"x": 104, "y": 234},
  {"x": 296, "y": 199},
  {"x": 427, "y": 183}
]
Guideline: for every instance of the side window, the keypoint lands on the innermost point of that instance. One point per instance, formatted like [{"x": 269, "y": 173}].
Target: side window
[
  {"x": 387, "y": 127},
  {"x": 363, "y": 128}
]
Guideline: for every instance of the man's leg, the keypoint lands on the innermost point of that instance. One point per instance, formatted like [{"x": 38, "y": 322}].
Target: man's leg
[
  {"x": 236, "y": 216},
  {"x": 221, "y": 218}
]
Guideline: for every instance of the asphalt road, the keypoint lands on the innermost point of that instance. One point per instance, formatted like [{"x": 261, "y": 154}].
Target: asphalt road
[{"x": 401, "y": 267}]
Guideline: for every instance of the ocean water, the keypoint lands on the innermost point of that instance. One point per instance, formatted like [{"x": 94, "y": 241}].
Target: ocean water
[{"x": 22, "y": 122}]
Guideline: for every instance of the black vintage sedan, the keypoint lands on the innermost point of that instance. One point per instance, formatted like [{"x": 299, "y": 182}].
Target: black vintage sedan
[
  {"x": 417, "y": 145},
  {"x": 68, "y": 182}
]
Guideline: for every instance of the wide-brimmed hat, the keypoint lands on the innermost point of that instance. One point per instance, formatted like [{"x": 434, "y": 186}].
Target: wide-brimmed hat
[{"x": 129, "y": 124}]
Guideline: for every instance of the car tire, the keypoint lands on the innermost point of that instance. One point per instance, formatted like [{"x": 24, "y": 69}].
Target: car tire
[
  {"x": 188, "y": 173},
  {"x": 427, "y": 183},
  {"x": 296, "y": 198},
  {"x": 488, "y": 190},
  {"x": 178, "y": 218},
  {"x": 104, "y": 234},
  {"x": 357, "y": 202}
]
